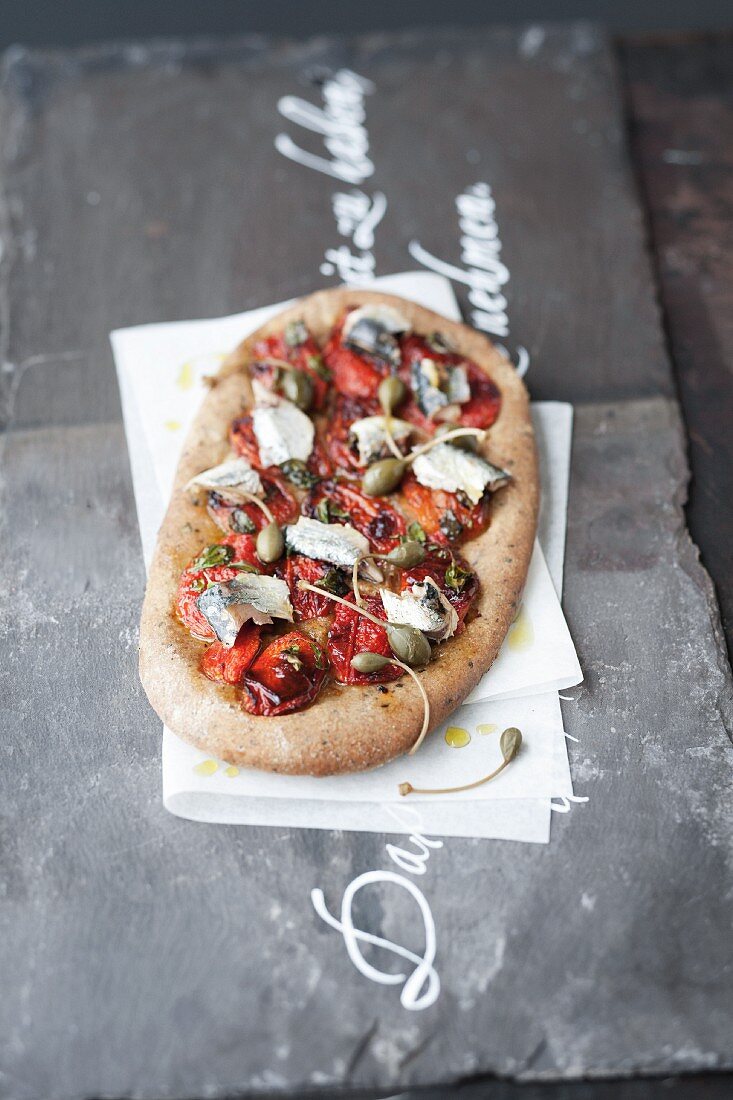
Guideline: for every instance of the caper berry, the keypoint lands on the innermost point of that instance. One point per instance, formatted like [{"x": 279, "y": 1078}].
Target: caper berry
[
  {"x": 407, "y": 554},
  {"x": 369, "y": 662},
  {"x": 270, "y": 543},
  {"x": 408, "y": 644},
  {"x": 510, "y": 743},
  {"x": 298, "y": 388},
  {"x": 383, "y": 476},
  {"x": 463, "y": 442},
  {"x": 392, "y": 392}
]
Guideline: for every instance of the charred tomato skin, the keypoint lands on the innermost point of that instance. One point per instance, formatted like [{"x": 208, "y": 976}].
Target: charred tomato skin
[
  {"x": 350, "y": 633},
  {"x": 277, "y": 497},
  {"x": 480, "y": 411},
  {"x": 286, "y": 676},
  {"x": 346, "y": 411},
  {"x": 228, "y": 666},
  {"x": 302, "y": 356},
  {"x": 433, "y": 508},
  {"x": 485, "y": 404},
  {"x": 372, "y": 516},
  {"x": 243, "y": 439},
  {"x": 193, "y": 581},
  {"x": 353, "y": 375},
  {"x": 306, "y": 605}
]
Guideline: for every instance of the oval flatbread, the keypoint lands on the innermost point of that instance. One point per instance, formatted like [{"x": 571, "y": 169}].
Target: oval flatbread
[{"x": 347, "y": 728}]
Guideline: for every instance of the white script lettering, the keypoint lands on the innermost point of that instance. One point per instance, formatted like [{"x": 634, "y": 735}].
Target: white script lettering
[
  {"x": 341, "y": 124},
  {"x": 483, "y": 272},
  {"x": 420, "y": 989}
]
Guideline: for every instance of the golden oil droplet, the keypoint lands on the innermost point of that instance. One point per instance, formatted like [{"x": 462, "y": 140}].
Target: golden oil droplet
[
  {"x": 206, "y": 767},
  {"x": 185, "y": 377},
  {"x": 172, "y": 425},
  {"x": 521, "y": 633},
  {"x": 231, "y": 771},
  {"x": 487, "y": 727},
  {"x": 457, "y": 737}
]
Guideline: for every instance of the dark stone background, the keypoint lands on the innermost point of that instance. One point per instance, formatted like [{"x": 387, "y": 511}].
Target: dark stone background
[
  {"x": 48, "y": 23},
  {"x": 136, "y": 953}
]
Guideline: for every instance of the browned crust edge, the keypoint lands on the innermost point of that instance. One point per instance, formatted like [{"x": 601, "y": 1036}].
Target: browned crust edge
[{"x": 347, "y": 729}]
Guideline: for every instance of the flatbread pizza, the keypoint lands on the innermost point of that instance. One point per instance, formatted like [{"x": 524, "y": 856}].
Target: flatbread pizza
[{"x": 347, "y": 541}]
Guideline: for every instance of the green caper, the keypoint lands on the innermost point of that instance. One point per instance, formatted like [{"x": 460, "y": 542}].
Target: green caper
[
  {"x": 369, "y": 662},
  {"x": 297, "y": 387},
  {"x": 407, "y": 554},
  {"x": 463, "y": 442},
  {"x": 510, "y": 743},
  {"x": 409, "y": 644},
  {"x": 270, "y": 543},
  {"x": 383, "y": 476},
  {"x": 392, "y": 392}
]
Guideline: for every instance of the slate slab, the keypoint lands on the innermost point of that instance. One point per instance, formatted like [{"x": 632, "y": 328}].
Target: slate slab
[
  {"x": 146, "y": 956},
  {"x": 680, "y": 95}
]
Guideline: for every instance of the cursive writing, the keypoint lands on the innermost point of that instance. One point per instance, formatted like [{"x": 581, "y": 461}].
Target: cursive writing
[
  {"x": 421, "y": 987},
  {"x": 341, "y": 122},
  {"x": 484, "y": 272},
  {"x": 562, "y": 806}
]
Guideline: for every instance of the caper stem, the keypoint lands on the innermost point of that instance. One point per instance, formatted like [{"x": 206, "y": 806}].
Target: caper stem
[
  {"x": 426, "y": 704},
  {"x": 407, "y": 788},
  {"x": 456, "y": 433},
  {"x": 355, "y": 574},
  {"x": 389, "y": 437},
  {"x": 355, "y": 579},
  {"x": 260, "y": 504}
]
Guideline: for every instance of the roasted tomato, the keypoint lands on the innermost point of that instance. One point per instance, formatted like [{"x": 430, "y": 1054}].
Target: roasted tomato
[
  {"x": 222, "y": 558},
  {"x": 248, "y": 518},
  {"x": 485, "y": 402},
  {"x": 244, "y": 441},
  {"x": 342, "y": 502},
  {"x": 444, "y": 516},
  {"x": 483, "y": 408},
  {"x": 352, "y": 633},
  {"x": 228, "y": 666},
  {"x": 353, "y": 375},
  {"x": 294, "y": 348},
  {"x": 458, "y": 583},
  {"x": 307, "y": 605},
  {"x": 319, "y": 462},
  {"x": 286, "y": 676},
  {"x": 346, "y": 411}
]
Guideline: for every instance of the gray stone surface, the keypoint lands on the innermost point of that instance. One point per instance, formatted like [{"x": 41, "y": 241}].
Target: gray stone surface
[{"x": 145, "y": 956}]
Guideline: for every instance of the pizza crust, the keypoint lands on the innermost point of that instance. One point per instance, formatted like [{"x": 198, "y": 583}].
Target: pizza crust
[{"x": 347, "y": 728}]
